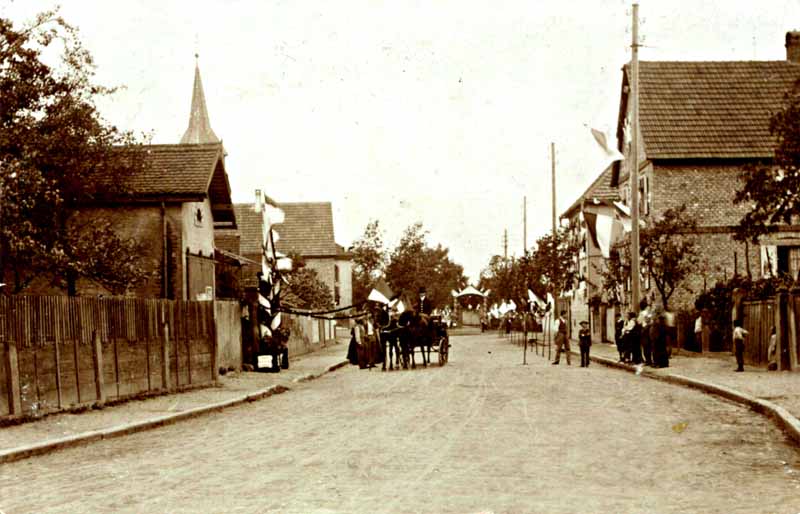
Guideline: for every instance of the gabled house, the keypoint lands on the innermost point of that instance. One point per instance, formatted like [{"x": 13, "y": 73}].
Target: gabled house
[
  {"x": 308, "y": 231},
  {"x": 173, "y": 207},
  {"x": 699, "y": 124},
  {"x": 587, "y": 301}
]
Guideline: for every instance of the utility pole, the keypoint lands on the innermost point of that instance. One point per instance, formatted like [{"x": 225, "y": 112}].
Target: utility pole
[
  {"x": 633, "y": 160},
  {"x": 553, "y": 166},
  {"x": 524, "y": 225},
  {"x": 505, "y": 246}
]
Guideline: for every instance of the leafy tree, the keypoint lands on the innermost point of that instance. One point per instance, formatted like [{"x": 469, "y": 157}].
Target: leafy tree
[
  {"x": 615, "y": 272},
  {"x": 369, "y": 261},
  {"x": 305, "y": 290},
  {"x": 57, "y": 155},
  {"x": 772, "y": 189},
  {"x": 667, "y": 249},
  {"x": 553, "y": 261},
  {"x": 414, "y": 264},
  {"x": 668, "y": 252},
  {"x": 550, "y": 267}
]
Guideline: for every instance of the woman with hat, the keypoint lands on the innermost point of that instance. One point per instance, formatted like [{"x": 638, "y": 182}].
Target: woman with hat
[{"x": 584, "y": 342}]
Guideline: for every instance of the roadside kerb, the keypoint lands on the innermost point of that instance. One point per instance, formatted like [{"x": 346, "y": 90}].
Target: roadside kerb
[
  {"x": 312, "y": 376},
  {"x": 785, "y": 420},
  {"x": 24, "y": 452}
]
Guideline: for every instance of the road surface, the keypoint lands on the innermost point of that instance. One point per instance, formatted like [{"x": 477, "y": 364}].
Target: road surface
[{"x": 481, "y": 434}]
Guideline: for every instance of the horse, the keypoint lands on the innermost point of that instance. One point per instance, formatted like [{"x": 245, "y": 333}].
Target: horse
[
  {"x": 417, "y": 330},
  {"x": 390, "y": 336}
]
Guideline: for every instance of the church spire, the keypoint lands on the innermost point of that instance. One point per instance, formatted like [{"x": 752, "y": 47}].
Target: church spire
[{"x": 199, "y": 130}]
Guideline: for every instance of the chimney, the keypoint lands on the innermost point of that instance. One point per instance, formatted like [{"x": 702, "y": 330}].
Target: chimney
[
  {"x": 259, "y": 201},
  {"x": 793, "y": 47}
]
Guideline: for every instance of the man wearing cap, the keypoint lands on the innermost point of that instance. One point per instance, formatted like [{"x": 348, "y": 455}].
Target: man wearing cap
[{"x": 584, "y": 342}]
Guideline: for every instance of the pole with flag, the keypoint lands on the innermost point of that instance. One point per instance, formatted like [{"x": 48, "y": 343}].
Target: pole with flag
[
  {"x": 633, "y": 179},
  {"x": 269, "y": 287}
]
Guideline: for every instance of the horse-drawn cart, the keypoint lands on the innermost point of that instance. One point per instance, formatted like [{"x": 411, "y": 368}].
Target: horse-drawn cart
[{"x": 441, "y": 340}]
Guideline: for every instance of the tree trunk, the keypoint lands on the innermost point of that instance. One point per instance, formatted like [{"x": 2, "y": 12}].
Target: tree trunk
[{"x": 72, "y": 284}]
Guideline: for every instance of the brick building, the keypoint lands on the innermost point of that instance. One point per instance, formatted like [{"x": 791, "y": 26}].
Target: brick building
[{"x": 699, "y": 124}]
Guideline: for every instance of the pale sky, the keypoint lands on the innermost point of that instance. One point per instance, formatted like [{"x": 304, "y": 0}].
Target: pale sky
[{"x": 436, "y": 111}]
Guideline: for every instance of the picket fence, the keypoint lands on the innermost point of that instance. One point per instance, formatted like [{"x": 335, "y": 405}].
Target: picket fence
[{"x": 59, "y": 353}]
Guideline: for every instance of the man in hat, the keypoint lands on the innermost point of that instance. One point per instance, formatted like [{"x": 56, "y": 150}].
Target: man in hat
[
  {"x": 562, "y": 341},
  {"x": 584, "y": 342},
  {"x": 424, "y": 305}
]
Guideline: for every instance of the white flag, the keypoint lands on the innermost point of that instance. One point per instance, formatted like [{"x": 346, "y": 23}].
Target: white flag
[{"x": 610, "y": 152}]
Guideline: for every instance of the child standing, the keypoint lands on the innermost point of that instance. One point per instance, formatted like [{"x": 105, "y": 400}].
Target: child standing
[
  {"x": 738, "y": 342},
  {"x": 585, "y": 343}
]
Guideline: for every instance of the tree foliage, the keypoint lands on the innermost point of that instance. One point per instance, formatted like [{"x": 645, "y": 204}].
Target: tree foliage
[
  {"x": 54, "y": 149},
  {"x": 305, "y": 290},
  {"x": 771, "y": 190},
  {"x": 550, "y": 267},
  {"x": 414, "y": 264},
  {"x": 369, "y": 261},
  {"x": 668, "y": 254}
]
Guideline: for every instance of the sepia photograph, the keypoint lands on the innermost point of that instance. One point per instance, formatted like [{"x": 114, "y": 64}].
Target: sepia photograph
[{"x": 399, "y": 256}]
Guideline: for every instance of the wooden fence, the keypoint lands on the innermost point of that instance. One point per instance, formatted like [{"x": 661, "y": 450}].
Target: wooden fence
[
  {"x": 61, "y": 352},
  {"x": 759, "y": 318}
]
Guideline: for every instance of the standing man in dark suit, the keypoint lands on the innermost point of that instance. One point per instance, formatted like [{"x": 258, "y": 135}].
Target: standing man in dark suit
[{"x": 424, "y": 305}]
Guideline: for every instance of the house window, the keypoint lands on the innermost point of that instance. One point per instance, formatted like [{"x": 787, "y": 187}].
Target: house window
[
  {"x": 644, "y": 195},
  {"x": 789, "y": 260},
  {"x": 198, "y": 217},
  {"x": 336, "y": 296},
  {"x": 336, "y": 273}
]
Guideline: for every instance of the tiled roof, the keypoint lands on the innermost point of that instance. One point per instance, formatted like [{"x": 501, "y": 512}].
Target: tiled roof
[
  {"x": 227, "y": 240},
  {"x": 307, "y": 229},
  {"x": 711, "y": 109},
  {"x": 250, "y": 232},
  {"x": 600, "y": 189},
  {"x": 176, "y": 169}
]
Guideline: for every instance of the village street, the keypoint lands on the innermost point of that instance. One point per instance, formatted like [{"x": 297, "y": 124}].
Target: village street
[{"x": 482, "y": 434}]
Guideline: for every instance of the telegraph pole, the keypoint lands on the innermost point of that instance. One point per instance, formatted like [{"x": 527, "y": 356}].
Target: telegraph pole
[
  {"x": 524, "y": 225},
  {"x": 505, "y": 245},
  {"x": 553, "y": 169},
  {"x": 633, "y": 160}
]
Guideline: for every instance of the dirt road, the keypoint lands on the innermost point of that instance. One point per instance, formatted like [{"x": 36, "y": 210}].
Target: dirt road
[{"x": 482, "y": 434}]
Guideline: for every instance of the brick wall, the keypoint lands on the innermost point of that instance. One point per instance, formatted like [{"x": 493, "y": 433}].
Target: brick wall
[{"x": 707, "y": 190}]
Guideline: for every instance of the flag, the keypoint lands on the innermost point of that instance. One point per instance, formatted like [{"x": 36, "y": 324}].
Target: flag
[
  {"x": 273, "y": 215},
  {"x": 623, "y": 214},
  {"x": 381, "y": 293},
  {"x": 536, "y": 300},
  {"x": 284, "y": 264},
  {"x": 591, "y": 225},
  {"x": 610, "y": 152}
]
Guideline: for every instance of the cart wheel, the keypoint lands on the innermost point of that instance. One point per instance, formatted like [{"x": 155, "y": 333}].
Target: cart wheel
[{"x": 443, "y": 350}]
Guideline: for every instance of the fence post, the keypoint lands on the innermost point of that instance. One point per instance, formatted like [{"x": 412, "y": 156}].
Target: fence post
[
  {"x": 165, "y": 378},
  {"x": 781, "y": 328},
  {"x": 12, "y": 378},
  {"x": 214, "y": 343},
  {"x": 97, "y": 361},
  {"x": 793, "y": 328}
]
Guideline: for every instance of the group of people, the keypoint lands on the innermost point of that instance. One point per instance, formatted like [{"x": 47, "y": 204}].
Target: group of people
[
  {"x": 646, "y": 338},
  {"x": 365, "y": 349}
]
